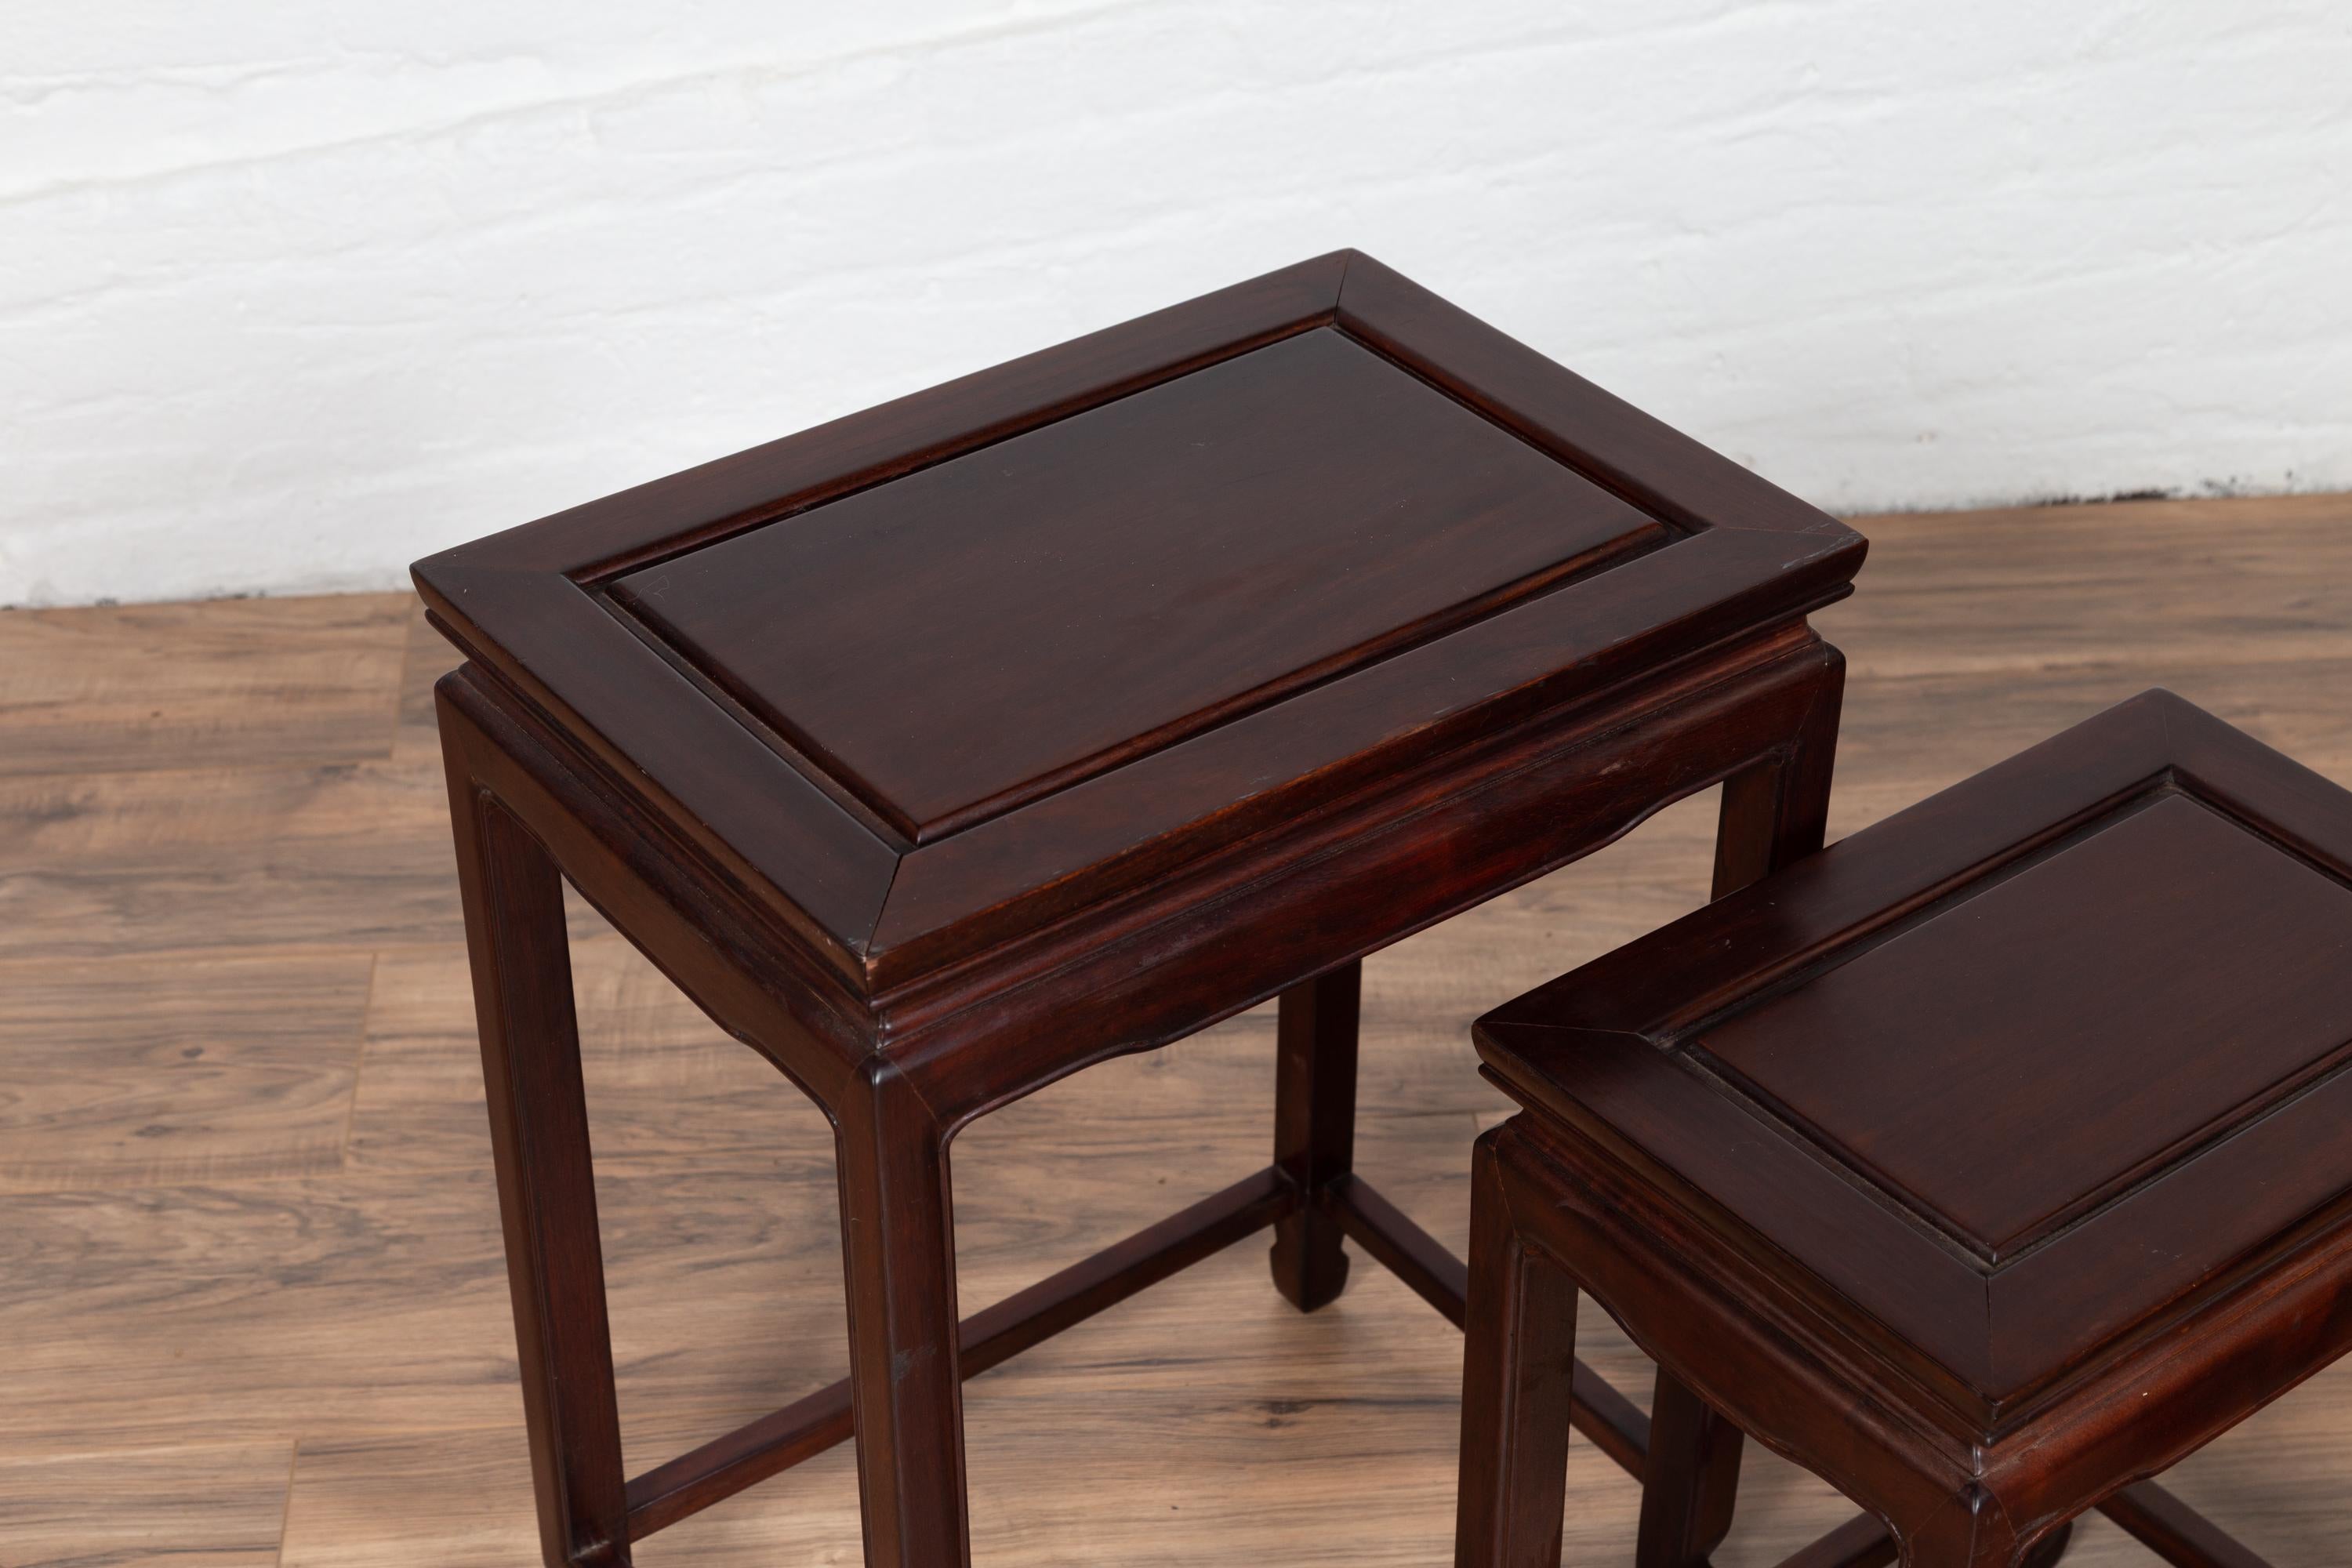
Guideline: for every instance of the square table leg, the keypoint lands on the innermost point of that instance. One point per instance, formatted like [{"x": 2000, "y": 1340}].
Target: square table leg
[
  {"x": 1517, "y": 1374},
  {"x": 1315, "y": 1128},
  {"x": 897, "y": 1232},
  {"x": 547, "y": 1195},
  {"x": 1518, "y": 1365}
]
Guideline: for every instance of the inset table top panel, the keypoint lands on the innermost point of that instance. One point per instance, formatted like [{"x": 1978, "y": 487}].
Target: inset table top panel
[
  {"x": 2013, "y": 1069},
  {"x": 2036, "y": 1047},
  {"x": 928, "y": 679},
  {"x": 994, "y": 627}
]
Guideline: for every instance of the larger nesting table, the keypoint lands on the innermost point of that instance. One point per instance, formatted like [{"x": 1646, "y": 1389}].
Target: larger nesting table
[{"x": 1060, "y": 712}]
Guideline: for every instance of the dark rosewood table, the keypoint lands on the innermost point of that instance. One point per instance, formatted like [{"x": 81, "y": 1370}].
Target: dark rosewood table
[
  {"x": 1060, "y": 712},
  {"x": 1986, "y": 1163}
]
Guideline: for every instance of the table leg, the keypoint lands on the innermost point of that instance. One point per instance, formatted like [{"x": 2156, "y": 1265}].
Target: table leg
[
  {"x": 1517, "y": 1368},
  {"x": 1691, "y": 1481},
  {"x": 1315, "y": 1128},
  {"x": 1778, "y": 810},
  {"x": 547, "y": 1195},
  {"x": 905, "y": 1392}
]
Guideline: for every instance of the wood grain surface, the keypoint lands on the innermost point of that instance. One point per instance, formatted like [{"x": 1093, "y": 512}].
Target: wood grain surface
[
  {"x": 1126, "y": 577},
  {"x": 2121, "y": 1018},
  {"x": 252, "y": 1306}
]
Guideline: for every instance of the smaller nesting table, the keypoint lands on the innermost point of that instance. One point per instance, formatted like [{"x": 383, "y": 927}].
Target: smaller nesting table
[{"x": 1985, "y": 1164}]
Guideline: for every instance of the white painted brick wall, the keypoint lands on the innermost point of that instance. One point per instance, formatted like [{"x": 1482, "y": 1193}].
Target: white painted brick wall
[{"x": 292, "y": 292}]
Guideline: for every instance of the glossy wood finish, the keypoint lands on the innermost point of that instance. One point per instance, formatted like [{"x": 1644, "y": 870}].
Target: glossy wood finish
[
  {"x": 996, "y": 627},
  {"x": 2137, "y": 780},
  {"x": 547, "y": 1192},
  {"x": 1791, "y": 693},
  {"x": 1191, "y": 663},
  {"x": 2133, "y": 1050},
  {"x": 1984, "y": 1163},
  {"x": 1314, "y": 1129},
  {"x": 1291, "y": 719}
]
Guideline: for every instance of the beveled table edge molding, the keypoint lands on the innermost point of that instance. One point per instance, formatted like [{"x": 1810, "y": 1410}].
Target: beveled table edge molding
[
  {"x": 1727, "y": 1319},
  {"x": 878, "y": 911},
  {"x": 1494, "y": 790}
]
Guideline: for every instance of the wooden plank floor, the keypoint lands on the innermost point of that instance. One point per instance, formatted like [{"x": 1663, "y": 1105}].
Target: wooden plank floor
[{"x": 251, "y": 1301}]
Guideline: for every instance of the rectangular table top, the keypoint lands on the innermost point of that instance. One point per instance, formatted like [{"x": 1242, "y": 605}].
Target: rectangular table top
[{"x": 937, "y": 673}]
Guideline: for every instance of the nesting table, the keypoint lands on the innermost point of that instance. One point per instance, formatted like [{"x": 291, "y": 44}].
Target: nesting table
[
  {"x": 1060, "y": 712},
  {"x": 1987, "y": 1161}
]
